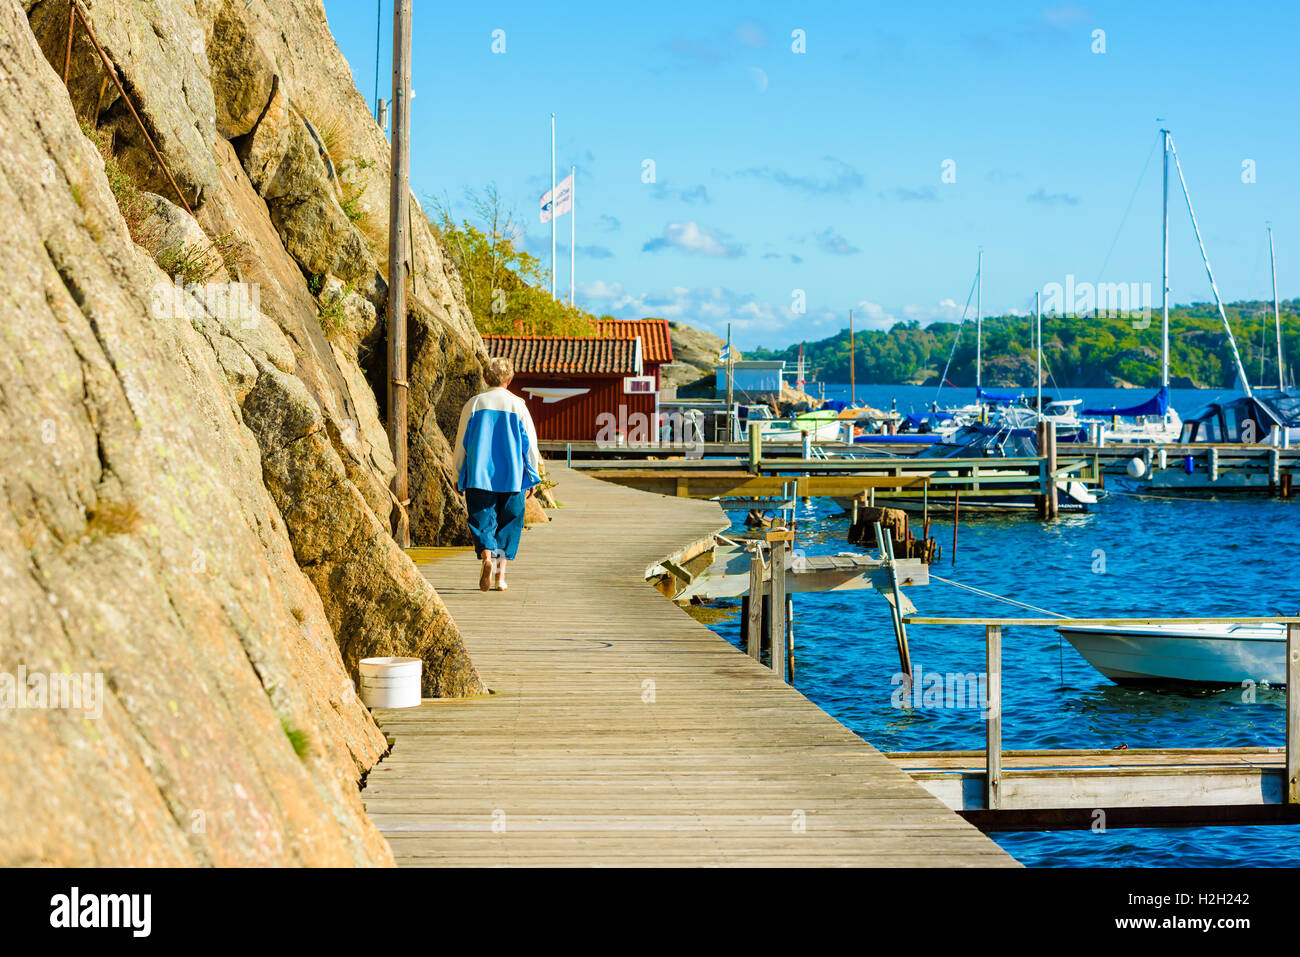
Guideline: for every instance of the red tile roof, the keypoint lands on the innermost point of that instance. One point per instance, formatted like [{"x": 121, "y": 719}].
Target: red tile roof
[
  {"x": 656, "y": 342},
  {"x": 576, "y": 355}
]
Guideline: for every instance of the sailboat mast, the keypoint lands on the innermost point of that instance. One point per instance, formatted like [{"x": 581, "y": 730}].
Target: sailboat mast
[
  {"x": 1277, "y": 316},
  {"x": 1214, "y": 287},
  {"x": 979, "y": 316},
  {"x": 1038, "y": 310},
  {"x": 1164, "y": 270},
  {"x": 853, "y": 366}
]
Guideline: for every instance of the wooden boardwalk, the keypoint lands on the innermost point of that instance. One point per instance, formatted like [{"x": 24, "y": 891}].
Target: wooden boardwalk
[{"x": 622, "y": 732}]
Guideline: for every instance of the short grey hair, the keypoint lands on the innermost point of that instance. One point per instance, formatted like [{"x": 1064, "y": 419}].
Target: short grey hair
[{"x": 499, "y": 371}]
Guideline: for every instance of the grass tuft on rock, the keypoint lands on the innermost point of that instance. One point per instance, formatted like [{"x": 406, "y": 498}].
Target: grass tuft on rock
[
  {"x": 113, "y": 518},
  {"x": 297, "y": 738}
]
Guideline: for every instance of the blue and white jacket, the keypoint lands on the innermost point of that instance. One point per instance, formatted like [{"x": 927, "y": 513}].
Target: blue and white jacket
[{"x": 496, "y": 444}]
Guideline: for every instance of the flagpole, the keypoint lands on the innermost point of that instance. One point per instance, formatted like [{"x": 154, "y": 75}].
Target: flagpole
[
  {"x": 573, "y": 229},
  {"x": 552, "y": 205},
  {"x": 731, "y": 427}
]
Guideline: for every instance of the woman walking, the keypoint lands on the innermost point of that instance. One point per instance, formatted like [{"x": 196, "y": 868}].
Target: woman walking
[{"x": 497, "y": 466}]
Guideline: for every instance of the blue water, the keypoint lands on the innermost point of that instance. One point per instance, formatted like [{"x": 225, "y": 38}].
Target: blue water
[{"x": 1129, "y": 556}]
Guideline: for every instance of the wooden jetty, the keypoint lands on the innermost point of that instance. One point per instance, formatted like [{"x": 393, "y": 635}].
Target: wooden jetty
[
  {"x": 1219, "y": 467},
  {"x": 1030, "y": 790},
  {"x": 937, "y": 482},
  {"x": 620, "y": 731}
]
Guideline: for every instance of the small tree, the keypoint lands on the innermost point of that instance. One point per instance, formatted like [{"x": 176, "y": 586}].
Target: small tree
[{"x": 505, "y": 287}]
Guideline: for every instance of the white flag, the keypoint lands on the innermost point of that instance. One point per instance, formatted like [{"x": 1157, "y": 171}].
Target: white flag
[{"x": 563, "y": 199}]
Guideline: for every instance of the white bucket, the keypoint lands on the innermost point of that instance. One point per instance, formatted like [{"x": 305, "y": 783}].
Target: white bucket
[{"x": 390, "y": 682}]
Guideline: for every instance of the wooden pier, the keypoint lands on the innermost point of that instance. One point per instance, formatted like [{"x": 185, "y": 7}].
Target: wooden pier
[
  {"x": 1197, "y": 467},
  {"x": 622, "y": 732},
  {"x": 938, "y": 482}
]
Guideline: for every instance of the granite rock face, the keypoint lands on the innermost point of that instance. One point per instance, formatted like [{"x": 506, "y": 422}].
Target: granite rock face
[{"x": 195, "y": 487}]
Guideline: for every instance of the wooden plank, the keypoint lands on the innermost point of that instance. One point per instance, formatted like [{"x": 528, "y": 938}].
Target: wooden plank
[
  {"x": 1046, "y": 780},
  {"x": 993, "y": 747},
  {"x": 780, "y": 551},
  {"x": 620, "y": 731},
  {"x": 754, "y": 608}
]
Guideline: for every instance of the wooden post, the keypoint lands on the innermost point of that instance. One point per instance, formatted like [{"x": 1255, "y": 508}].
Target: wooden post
[
  {"x": 956, "y": 519},
  {"x": 1043, "y": 477},
  {"x": 779, "y": 551},
  {"x": 1051, "y": 470},
  {"x": 993, "y": 745},
  {"x": 886, "y": 546},
  {"x": 398, "y": 228},
  {"x": 754, "y": 609},
  {"x": 755, "y": 445},
  {"x": 789, "y": 618},
  {"x": 1292, "y": 714}
]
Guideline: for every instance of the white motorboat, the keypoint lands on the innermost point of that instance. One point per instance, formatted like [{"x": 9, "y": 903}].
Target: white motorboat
[{"x": 1209, "y": 654}]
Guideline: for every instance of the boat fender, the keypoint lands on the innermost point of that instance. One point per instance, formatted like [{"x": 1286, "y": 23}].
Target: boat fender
[{"x": 1136, "y": 468}]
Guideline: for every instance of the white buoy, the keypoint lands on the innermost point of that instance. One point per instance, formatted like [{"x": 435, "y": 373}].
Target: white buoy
[
  {"x": 1136, "y": 468},
  {"x": 390, "y": 682}
]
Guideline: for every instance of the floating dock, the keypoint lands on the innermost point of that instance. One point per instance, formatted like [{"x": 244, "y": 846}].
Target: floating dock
[
  {"x": 1139, "y": 787},
  {"x": 1070, "y": 788},
  {"x": 620, "y": 731}
]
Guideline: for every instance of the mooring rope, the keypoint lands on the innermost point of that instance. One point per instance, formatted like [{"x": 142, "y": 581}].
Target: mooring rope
[
  {"x": 1158, "y": 498},
  {"x": 989, "y": 594}
]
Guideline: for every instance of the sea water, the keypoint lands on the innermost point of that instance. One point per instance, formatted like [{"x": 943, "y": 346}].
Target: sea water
[{"x": 1128, "y": 556}]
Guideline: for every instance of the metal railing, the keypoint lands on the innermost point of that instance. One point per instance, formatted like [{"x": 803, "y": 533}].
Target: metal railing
[{"x": 993, "y": 665}]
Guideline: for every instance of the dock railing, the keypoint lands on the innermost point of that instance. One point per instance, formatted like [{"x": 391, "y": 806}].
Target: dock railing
[{"x": 993, "y": 680}]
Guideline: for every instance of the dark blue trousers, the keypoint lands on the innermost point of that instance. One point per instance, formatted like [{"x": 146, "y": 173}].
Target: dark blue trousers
[{"x": 496, "y": 520}]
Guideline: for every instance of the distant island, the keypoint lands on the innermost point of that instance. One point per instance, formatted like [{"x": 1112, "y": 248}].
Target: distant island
[{"x": 1079, "y": 352}]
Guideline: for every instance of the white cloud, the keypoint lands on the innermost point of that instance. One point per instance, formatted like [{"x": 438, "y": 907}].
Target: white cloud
[
  {"x": 753, "y": 321},
  {"x": 872, "y": 315},
  {"x": 945, "y": 310},
  {"x": 691, "y": 237}
]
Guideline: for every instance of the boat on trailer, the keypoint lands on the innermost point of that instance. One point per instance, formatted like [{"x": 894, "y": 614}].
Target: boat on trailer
[{"x": 1208, "y": 654}]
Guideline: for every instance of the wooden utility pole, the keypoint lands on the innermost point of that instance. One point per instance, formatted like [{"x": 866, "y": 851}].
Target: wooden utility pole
[{"x": 398, "y": 241}]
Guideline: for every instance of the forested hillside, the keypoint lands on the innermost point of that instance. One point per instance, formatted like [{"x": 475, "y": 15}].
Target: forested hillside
[{"x": 1082, "y": 351}]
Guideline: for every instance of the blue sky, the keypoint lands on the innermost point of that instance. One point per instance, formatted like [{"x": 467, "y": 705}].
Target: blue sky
[{"x": 822, "y": 171}]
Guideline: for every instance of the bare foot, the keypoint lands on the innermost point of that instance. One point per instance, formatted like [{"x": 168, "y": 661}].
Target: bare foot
[{"x": 485, "y": 573}]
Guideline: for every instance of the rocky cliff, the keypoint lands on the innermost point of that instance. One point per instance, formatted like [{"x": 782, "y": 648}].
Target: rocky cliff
[
  {"x": 195, "y": 485},
  {"x": 695, "y": 354}
]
